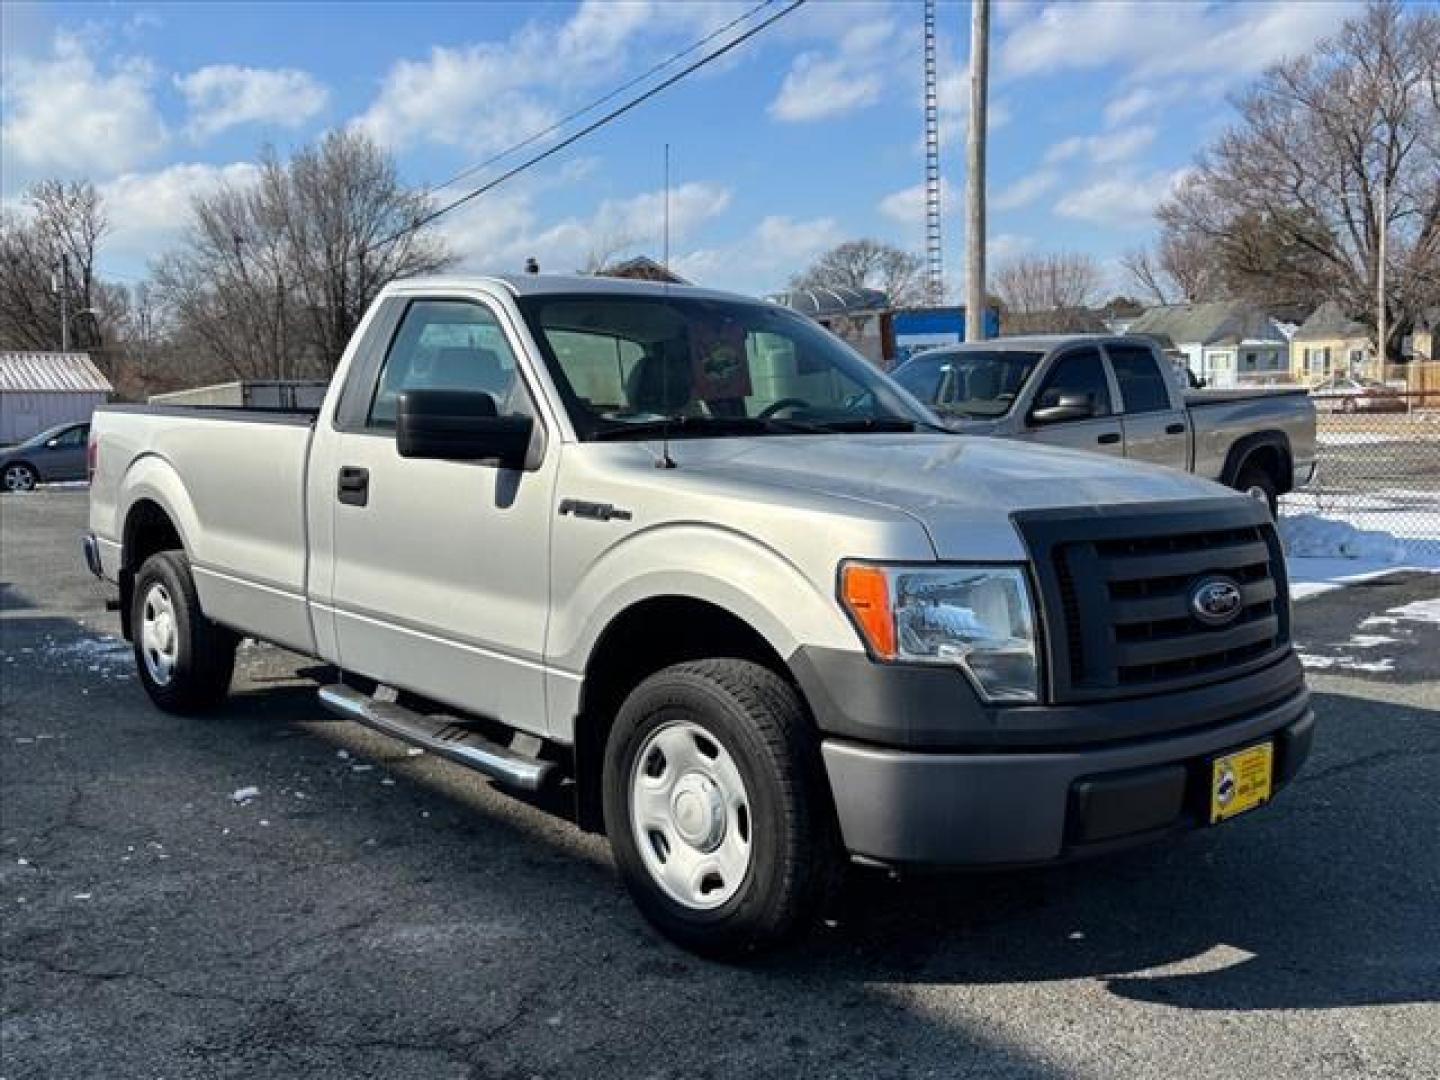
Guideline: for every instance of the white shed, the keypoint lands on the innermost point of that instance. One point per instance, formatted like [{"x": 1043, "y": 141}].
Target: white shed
[{"x": 40, "y": 390}]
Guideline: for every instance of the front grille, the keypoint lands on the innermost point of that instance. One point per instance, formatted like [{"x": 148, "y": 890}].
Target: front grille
[{"x": 1115, "y": 593}]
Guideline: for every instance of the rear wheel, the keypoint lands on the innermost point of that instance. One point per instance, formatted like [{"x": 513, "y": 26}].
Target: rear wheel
[
  {"x": 19, "y": 477},
  {"x": 716, "y": 807},
  {"x": 1259, "y": 484},
  {"x": 185, "y": 660}
]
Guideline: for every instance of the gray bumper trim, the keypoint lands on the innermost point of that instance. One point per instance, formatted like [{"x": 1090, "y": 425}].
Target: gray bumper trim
[{"x": 904, "y": 807}]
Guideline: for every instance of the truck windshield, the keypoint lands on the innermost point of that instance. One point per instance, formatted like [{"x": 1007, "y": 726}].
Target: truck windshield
[
  {"x": 631, "y": 366},
  {"x": 970, "y": 384}
]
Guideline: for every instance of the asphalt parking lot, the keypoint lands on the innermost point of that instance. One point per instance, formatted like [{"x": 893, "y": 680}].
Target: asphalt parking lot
[{"x": 376, "y": 914}]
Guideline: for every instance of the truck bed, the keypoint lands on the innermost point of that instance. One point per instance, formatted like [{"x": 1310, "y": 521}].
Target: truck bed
[
  {"x": 234, "y": 480},
  {"x": 1200, "y": 398}
]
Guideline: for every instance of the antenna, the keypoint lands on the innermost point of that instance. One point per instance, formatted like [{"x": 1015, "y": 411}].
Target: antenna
[
  {"x": 934, "y": 265},
  {"x": 665, "y": 256}
]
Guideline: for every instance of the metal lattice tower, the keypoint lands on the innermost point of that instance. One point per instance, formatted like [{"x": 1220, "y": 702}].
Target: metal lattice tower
[{"x": 934, "y": 262}]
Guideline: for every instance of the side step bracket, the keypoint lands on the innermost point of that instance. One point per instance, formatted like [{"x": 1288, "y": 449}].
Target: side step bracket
[{"x": 442, "y": 735}]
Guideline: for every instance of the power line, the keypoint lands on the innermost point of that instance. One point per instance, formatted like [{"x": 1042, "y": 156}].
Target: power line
[
  {"x": 595, "y": 104},
  {"x": 570, "y": 140}
]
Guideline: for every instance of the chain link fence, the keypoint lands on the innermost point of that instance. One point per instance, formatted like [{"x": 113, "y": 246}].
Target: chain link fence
[{"x": 1379, "y": 465}]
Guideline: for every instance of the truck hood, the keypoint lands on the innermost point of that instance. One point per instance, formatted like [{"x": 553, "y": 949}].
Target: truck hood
[{"x": 962, "y": 489}]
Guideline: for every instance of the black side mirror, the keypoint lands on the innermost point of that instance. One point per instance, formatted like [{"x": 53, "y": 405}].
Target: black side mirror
[
  {"x": 460, "y": 425},
  {"x": 1069, "y": 407}
]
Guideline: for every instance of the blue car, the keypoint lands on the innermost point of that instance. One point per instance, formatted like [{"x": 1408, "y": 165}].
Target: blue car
[{"x": 53, "y": 455}]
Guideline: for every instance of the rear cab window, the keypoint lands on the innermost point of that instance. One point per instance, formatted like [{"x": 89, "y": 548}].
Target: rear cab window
[
  {"x": 446, "y": 345},
  {"x": 1143, "y": 387}
]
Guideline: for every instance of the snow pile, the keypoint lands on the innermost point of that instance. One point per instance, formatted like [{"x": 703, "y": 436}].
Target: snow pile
[{"x": 1309, "y": 536}]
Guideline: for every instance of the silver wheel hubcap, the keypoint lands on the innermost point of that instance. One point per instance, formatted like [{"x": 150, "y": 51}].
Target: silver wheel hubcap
[
  {"x": 18, "y": 479},
  {"x": 690, "y": 814},
  {"x": 159, "y": 643}
]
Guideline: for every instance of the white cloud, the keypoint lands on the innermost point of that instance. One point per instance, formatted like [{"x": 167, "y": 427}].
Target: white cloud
[
  {"x": 1120, "y": 200},
  {"x": 764, "y": 258},
  {"x": 500, "y": 230},
  {"x": 485, "y": 96},
  {"x": 906, "y": 207},
  {"x": 822, "y": 84},
  {"x": 1227, "y": 41},
  {"x": 1131, "y": 104},
  {"x": 1103, "y": 149},
  {"x": 65, "y": 114},
  {"x": 149, "y": 211},
  {"x": 223, "y": 96},
  {"x": 1026, "y": 190}
]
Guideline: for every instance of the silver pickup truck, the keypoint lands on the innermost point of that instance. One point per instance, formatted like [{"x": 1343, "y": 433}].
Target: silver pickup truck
[
  {"x": 689, "y": 559},
  {"x": 1119, "y": 396}
]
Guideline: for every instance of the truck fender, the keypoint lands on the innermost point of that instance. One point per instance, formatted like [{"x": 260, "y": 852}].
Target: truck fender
[
  {"x": 742, "y": 577},
  {"x": 1243, "y": 450},
  {"x": 150, "y": 477}
]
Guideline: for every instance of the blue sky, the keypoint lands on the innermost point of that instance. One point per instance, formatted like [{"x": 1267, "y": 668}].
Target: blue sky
[{"x": 808, "y": 135}]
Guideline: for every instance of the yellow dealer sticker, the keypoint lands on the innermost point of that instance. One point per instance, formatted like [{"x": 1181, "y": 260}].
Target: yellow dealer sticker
[{"x": 1241, "y": 781}]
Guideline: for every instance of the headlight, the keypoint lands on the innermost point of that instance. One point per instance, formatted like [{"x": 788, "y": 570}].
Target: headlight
[{"x": 977, "y": 618}]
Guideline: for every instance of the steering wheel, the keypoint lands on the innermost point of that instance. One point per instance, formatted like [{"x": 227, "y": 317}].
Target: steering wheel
[{"x": 784, "y": 403}]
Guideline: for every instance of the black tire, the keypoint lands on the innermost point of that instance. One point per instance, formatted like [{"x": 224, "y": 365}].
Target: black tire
[
  {"x": 760, "y": 721},
  {"x": 19, "y": 476},
  {"x": 1256, "y": 481},
  {"x": 204, "y": 652}
]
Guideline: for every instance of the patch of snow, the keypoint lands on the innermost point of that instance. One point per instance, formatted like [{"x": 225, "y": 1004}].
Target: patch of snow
[
  {"x": 1346, "y": 663},
  {"x": 1314, "y": 537},
  {"x": 1421, "y": 611},
  {"x": 245, "y": 794},
  {"x": 1369, "y": 641},
  {"x": 1325, "y": 553}
]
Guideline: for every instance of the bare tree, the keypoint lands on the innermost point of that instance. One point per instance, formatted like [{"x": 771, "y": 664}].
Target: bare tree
[
  {"x": 605, "y": 249},
  {"x": 868, "y": 264},
  {"x": 1048, "y": 293},
  {"x": 273, "y": 277},
  {"x": 1180, "y": 268},
  {"x": 1333, "y": 152},
  {"x": 47, "y": 263}
]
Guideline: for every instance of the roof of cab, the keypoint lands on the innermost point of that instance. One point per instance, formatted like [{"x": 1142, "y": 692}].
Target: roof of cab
[{"x": 568, "y": 285}]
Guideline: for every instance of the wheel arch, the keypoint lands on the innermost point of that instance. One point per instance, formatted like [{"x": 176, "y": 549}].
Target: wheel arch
[
  {"x": 157, "y": 516},
  {"x": 646, "y": 637},
  {"x": 1269, "y": 450}
]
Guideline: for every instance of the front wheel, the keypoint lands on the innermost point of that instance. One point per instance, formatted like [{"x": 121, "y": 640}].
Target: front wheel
[
  {"x": 185, "y": 660},
  {"x": 19, "y": 477},
  {"x": 716, "y": 807}
]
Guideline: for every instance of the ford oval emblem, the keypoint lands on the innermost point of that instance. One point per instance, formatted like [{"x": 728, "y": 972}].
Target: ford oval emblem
[{"x": 1216, "y": 601}]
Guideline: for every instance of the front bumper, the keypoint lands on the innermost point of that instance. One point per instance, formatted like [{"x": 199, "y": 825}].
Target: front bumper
[
  {"x": 898, "y": 807},
  {"x": 922, "y": 774}
]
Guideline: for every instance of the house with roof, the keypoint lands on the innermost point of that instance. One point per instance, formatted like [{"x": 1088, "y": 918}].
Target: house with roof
[
  {"x": 643, "y": 268},
  {"x": 42, "y": 390},
  {"x": 1330, "y": 343},
  {"x": 1224, "y": 342}
]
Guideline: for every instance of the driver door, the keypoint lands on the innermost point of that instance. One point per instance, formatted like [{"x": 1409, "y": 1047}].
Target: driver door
[{"x": 1078, "y": 373}]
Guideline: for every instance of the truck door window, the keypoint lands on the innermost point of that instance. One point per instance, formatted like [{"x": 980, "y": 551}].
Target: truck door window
[
  {"x": 1078, "y": 374},
  {"x": 1142, "y": 385},
  {"x": 446, "y": 345}
]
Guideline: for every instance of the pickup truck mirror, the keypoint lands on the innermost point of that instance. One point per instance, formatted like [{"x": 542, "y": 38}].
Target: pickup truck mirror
[
  {"x": 1069, "y": 407},
  {"x": 460, "y": 425}
]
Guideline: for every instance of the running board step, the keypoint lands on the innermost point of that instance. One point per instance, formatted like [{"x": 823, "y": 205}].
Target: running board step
[{"x": 441, "y": 735}]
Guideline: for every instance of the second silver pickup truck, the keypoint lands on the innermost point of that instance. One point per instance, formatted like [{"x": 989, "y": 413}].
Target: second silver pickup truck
[
  {"x": 687, "y": 557},
  {"x": 1119, "y": 396}
]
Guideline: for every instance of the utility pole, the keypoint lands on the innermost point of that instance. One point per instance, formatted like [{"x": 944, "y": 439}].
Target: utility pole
[
  {"x": 280, "y": 324},
  {"x": 1381, "y": 319},
  {"x": 975, "y": 175},
  {"x": 65, "y": 302}
]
